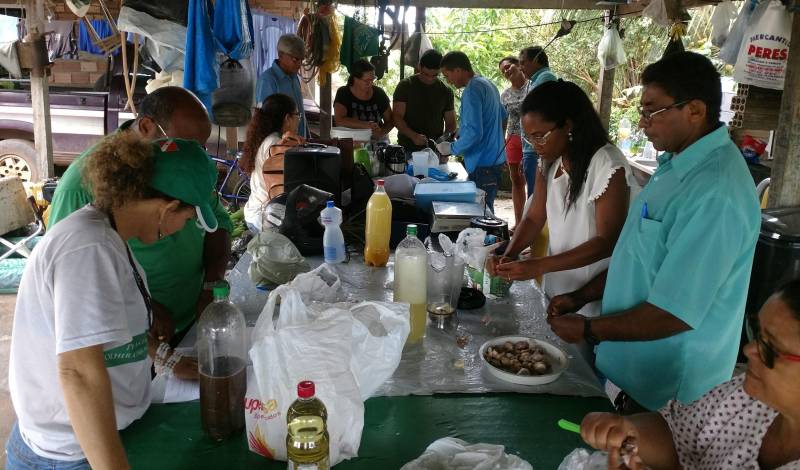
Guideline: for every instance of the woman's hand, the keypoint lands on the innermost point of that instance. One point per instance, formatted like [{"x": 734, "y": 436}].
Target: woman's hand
[
  {"x": 521, "y": 270},
  {"x": 290, "y": 138},
  {"x": 186, "y": 369},
  {"x": 614, "y": 434}
]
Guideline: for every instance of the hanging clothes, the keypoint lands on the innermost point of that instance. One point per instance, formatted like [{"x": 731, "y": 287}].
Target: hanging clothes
[
  {"x": 61, "y": 43},
  {"x": 267, "y": 30},
  {"x": 233, "y": 28},
  {"x": 85, "y": 37},
  {"x": 201, "y": 70},
  {"x": 358, "y": 40}
]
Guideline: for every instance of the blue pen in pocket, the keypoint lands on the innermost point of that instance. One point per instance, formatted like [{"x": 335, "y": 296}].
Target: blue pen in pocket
[{"x": 645, "y": 214}]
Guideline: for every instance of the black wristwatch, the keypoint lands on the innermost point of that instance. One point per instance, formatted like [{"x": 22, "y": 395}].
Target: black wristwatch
[{"x": 588, "y": 336}]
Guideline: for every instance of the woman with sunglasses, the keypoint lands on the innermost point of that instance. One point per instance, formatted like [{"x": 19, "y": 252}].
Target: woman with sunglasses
[
  {"x": 582, "y": 191},
  {"x": 362, "y": 105},
  {"x": 80, "y": 346},
  {"x": 272, "y": 130},
  {"x": 749, "y": 422}
]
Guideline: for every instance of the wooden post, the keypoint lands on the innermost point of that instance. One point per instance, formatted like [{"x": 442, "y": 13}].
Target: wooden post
[
  {"x": 784, "y": 188},
  {"x": 40, "y": 94},
  {"x": 232, "y": 139},
  {"x": 326, "y": 110},
  {"x": 605, "y": 87}
]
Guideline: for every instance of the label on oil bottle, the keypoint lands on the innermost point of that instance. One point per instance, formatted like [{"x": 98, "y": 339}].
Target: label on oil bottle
[{"x": 323, "y": 465}]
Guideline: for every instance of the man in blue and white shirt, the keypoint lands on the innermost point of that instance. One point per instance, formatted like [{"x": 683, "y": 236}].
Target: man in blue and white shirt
[
  {"x": 282, "y": 76},
  {"x": 480, "y": 135}
]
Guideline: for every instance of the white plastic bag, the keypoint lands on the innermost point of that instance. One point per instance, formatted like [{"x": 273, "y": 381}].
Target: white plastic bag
[
  {"x": 610, "y": 52},
  {"x": 348, "y": 351},
  {"x": 319, "y": 285},
  {"x": 657, "y": 11},
  {"x": 450, "y": 453},
  {"x": 276, "y": 260},
  {"x": 724, "y": 13},
  {"x": 764, "y": 53},
  {"x": 582, "y": 459},
  {"x": 470, "y": 247}
]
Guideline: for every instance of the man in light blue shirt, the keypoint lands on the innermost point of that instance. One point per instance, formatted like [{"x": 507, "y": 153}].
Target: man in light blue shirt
[
  {"x": 675, "y": 292},
  {"x": 282, "y": 77},
  {"x": 480, "y": 134},
  {"x": 535, "y": 66}
]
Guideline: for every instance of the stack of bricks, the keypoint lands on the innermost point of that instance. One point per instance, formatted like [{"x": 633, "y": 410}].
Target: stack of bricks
[
  {"x": 62, "y": 11},
  {"x": 77, "y": 73}
]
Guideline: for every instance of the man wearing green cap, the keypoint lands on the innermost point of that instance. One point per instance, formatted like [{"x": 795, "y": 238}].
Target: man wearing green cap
[{"x": 180, "y": 268}]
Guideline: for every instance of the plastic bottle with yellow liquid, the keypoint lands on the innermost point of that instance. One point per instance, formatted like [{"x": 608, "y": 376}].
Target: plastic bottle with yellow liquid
[
  {"x": 410, "y": 281},
  {"x": 307, "y": 440},
  {"x": 379, "y": 227}
]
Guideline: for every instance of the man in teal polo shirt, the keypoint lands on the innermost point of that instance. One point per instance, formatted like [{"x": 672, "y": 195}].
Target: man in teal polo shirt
[
  {"x": 180, "y": 268},
  {"x": 674, "y": 297}
]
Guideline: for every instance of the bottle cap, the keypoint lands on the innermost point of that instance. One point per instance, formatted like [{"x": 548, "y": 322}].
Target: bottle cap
[
  {"x": 329, "y": 204},
  {"x": 305, "y": 389},
  {"x": 380, "y": 182},
  {"x": 411, "y": 229},
  {"x": 221, "y": 290}
]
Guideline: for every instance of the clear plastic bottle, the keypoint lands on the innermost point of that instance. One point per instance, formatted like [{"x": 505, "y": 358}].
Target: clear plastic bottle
[
  {"x": 307, "y": 440},
  {"x": 333, "y": 239},
  {"x": 410, "y": 280},
  {"x": 222, "y": 364},
  {"x": 379, "y": 228}
]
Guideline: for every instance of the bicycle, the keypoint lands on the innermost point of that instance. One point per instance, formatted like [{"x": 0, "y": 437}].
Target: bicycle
[{"x": 241, "y": 190}]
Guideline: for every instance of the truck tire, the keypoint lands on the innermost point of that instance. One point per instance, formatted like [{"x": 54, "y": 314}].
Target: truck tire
[{"x": 18, "y": 158}]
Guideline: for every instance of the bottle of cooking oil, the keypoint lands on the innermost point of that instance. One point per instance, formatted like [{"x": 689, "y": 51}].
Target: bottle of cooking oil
[
  {"x": 410, "y": 280},
  {"x": 379, "y": 227},
  {"x": 307, "y": 441}
]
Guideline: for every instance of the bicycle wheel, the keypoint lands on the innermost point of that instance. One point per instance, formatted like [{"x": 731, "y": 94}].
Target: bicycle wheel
[{"x": 240, "y": 195}]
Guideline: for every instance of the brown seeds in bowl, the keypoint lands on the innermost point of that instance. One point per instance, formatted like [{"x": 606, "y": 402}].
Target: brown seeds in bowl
[{"x": 521, "y": 358}]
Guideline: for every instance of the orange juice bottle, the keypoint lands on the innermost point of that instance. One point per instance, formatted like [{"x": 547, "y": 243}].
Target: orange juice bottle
[{"x": 379, "y": 227}]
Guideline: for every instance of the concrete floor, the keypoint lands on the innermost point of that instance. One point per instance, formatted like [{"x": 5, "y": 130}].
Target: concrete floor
[{"x": 7, "y": 416}]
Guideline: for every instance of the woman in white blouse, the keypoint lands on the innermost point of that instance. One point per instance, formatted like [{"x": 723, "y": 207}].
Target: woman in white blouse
[
  {"x": 582, "y": 191},
  {"x": 749, "y": 422}
]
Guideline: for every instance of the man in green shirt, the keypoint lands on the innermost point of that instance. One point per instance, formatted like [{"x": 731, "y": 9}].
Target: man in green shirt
[
  {"x": 422, "y": 103},
  {"x": 181, "y": 267}
]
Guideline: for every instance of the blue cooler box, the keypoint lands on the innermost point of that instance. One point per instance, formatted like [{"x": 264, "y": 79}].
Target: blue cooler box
[{"x": 449, "y": 191}]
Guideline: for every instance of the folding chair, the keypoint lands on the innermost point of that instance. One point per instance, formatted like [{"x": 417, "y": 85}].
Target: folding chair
[{"x": 17, "y": 211}]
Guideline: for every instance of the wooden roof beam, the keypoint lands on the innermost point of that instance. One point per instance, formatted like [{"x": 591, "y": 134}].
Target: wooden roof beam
[{"x": 504, "y": 4}]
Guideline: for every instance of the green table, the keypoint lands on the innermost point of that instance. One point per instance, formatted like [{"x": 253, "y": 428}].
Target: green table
[{"x": 396, "y": 430}]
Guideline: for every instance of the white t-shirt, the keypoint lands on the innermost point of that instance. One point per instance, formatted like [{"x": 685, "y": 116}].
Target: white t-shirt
[
  {"x": 569, "y": 229},
  {"x": 258, "y": 188},
  {"x": 77, "y": 291}
]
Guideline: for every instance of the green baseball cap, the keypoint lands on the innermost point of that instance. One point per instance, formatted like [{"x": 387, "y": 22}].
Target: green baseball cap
[{"x": 183, "y": 170}]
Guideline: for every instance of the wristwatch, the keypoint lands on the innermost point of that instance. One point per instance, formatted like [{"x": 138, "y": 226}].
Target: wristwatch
[{"x": 588, "y": 336}]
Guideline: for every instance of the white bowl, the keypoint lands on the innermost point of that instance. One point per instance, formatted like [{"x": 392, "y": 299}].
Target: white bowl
[
  {"x": 559, "y": 365},
  {"x": 358, "y": 135}
]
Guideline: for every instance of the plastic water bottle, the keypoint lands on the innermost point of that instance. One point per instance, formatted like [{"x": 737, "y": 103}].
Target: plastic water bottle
[
  {"x": 332, "y": 240},
  {"x": 379, "y": 227},
  {"x": 410, "y": 281}
]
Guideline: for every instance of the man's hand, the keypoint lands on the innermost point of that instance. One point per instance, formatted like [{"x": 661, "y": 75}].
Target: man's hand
[
  {"x": 568, "y": 327},
  {"x": 521, "y": 270},
  {"x": 186, "y": 368},
  {"x": 420, "y": 139},
  {"x": 163, "y": 326},
  {"x": 614, "y": 434},
  {"x": 564, "y": 304}
]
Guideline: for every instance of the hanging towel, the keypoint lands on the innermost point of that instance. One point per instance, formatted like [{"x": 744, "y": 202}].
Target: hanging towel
[
  {"x": 267, "y": 30},
  {"x": 85, "y": 37},
  {"x": 201, "y": 69},
  {"x": 358, "y": 40},
  {"x": 233, "y": 28}
]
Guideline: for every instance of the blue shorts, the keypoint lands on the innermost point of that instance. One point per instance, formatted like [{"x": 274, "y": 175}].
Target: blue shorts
[
  {"x": 529, "y": 163},
  {"x": 21, "y": 457}
]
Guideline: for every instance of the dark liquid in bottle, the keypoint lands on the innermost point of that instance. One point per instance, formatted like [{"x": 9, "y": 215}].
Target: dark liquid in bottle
[{"x": 222, "y": 397}]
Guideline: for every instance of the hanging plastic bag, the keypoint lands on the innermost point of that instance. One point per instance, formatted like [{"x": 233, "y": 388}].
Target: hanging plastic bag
[
  {"x": 610, "y": 52},
  {"x": 657, "y": 11},
  {"x": 348, "y": 351},
  {"x": 418, "y": 44},
  {"x": 764, "y": 53},
  {"x": 721, "y": 19},
  {"x": 730, "y": 50},
  {"x": 275, "y": 259}
]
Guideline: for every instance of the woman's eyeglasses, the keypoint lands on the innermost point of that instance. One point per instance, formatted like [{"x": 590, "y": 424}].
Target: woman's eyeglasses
[
  {"x": 538, "y": 140},
  {"x": 768, "y": 353}
]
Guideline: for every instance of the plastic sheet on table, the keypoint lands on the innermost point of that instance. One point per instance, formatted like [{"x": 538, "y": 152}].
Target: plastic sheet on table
[{"x": 447, "y": 360}]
